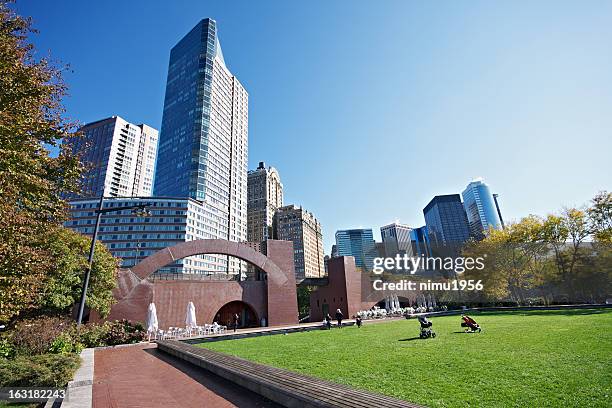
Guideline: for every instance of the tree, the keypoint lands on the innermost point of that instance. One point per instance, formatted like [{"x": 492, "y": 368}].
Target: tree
[
  {"x": 62, "y": 286},
  {"x": 600, "y": 216},
  {"x": 31, "y": 179},
  {"x": 303, "y": 297},
  {"x": 512, "y": 260},
  {"x": 565, "y": 234}
]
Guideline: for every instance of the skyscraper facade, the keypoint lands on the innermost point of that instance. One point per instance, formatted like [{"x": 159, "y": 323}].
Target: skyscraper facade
[
  {"x": 480, "y": 208},
  {"x": 396, "y": 239},
  {"x": 446, "y": 222},
  {"x": 358, "y": 243},
  {"x": 300, "y": 226},
  {"x": 264, "y": 198},
  {"x": 203, "y": 143},
  {"x": 420, "y": 241},
  {"x": 120, "y": 157},
  {"x": 132, "y": 237}
]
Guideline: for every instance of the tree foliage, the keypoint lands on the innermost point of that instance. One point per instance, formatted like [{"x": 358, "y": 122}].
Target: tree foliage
[
  {"x": 564, "y": 257},
  {"x": 31, "y": 179}
]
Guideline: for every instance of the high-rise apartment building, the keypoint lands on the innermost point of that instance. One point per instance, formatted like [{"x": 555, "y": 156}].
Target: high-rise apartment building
[
  {"x": 120, "y": 158},
  {"x": 396, "y": 239},
  {"x": 203, "y": 143},
  {"x": 358, "y": 243},
  {"x": 300, "y": 226},
  {"x": 264, "y": 198},
  {"x": 446, "y": 222},
  {"x": 132, "y": 236},
  {"x": 480, "y": 208}
]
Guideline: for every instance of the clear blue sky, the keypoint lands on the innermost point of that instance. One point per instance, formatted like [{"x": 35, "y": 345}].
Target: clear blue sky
[{"x": 369, "y": 109}]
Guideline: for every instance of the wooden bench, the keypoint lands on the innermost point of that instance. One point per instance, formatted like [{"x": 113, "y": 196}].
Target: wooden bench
[{"x": 281, "y": 386}]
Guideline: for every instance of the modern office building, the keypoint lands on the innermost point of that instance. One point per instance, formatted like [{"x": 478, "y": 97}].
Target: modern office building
[
  {"x": 203, "y": 142},
  {"x": 446, "y": 222},
  {"x": 420, "y": 241},
  {"x": 300, "y": 226},
  {"x": 133, "y": 236},
  {"x": 358, "y": 243},
  {"x": 264, "y": 198},
  {"x": 120, "y": 158},
  {"x": 480, "y": 208},
  {"x": 396, "y": 239}
]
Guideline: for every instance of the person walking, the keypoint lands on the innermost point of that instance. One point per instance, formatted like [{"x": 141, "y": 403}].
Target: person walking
[
  {"x": 236, "y": 319},
  {"x": 339, "y": 317},
  {"x": 328, "y": 321}
]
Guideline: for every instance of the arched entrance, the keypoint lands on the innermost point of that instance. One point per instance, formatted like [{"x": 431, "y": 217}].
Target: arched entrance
[{"x": 246, "y": 315}]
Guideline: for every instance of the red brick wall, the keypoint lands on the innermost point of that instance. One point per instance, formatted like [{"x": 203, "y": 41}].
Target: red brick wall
[
  {"x": 343, "y": 291},
  {"x": 274, "y": 299}
]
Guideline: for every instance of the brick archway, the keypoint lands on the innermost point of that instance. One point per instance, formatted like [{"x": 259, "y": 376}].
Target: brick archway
[
  {"x": 275, "y": 299},
  {"x": 168, "y": 255}
]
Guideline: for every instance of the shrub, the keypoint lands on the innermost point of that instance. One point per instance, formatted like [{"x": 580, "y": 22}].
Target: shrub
[
  {"x": 35, "y": 336},
  {"x": 7, "y": 350},
  {"x": 92, "y": 335},
  {"x": 65, "y": 343},
  {"x": 123, "y": 332},
  {"x": 47, "y": 370}
]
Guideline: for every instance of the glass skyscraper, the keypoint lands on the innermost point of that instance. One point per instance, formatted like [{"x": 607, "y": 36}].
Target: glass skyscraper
[
  {"x": 203, "y": 142},
  {"x": 447, "y": 225},
  {"x": 480, "y": 208},
  {"x": 420, "y": 241},
  {"x": 358, "y": 243}
]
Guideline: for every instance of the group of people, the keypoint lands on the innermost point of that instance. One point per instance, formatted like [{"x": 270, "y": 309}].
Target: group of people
[
  {"x": 339, "y": 317},
  {"x": 467, "y": 321}
]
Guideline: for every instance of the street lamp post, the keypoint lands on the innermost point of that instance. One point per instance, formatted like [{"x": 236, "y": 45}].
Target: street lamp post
[{"x": 92, "y": 248}]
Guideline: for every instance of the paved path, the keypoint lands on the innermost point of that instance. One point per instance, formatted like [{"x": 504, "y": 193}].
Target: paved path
[{"x": 141, "y": 376}]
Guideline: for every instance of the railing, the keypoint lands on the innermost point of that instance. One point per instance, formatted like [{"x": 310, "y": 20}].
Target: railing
[{"x": 199, "y": 276}]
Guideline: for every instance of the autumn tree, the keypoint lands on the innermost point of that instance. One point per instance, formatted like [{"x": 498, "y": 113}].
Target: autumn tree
[{"x": 32, "y": 124}]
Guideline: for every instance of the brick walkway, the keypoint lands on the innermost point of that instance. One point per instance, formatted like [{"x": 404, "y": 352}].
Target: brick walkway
[{"x": 140, "y": 376}]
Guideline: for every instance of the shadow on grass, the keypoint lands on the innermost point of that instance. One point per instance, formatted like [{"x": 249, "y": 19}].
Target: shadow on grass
[
  {"x": 570, "y": 312},
  {"x": 410, "y": 339}
]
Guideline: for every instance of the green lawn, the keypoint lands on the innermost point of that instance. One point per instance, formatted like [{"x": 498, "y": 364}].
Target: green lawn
[{"x": 537, "y": 359}]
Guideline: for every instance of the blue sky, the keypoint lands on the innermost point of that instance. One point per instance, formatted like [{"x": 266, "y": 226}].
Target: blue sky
[{"x": 369, "y": 109}]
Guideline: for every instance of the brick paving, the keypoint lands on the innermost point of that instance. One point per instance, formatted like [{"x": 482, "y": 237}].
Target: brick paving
[{"x": 141, "y": 376}]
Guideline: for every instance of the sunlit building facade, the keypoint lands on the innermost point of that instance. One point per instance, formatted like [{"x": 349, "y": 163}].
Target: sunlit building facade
[
  {"x": 203, "y": 143},
  {"x": 264, "y": 198},
  {"x": 479, "y": 204},
  {"x": 119, "y": 157}
]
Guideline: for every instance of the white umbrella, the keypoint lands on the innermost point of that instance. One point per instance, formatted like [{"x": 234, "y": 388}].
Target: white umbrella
[
  {"x": 152, "y": 323},
  {"x": 190, "y": 318}
]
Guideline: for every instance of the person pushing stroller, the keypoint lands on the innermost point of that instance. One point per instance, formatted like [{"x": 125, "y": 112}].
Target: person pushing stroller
[{"x": 470, "y": 324}]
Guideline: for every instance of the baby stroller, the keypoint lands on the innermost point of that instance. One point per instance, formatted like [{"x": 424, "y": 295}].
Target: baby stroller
[
  {"x": 426, "y": 328},
  {"x": 472, "y": 326}
]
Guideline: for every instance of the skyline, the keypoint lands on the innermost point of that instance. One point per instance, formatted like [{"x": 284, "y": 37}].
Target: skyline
[{"x": 561, "y": 72}]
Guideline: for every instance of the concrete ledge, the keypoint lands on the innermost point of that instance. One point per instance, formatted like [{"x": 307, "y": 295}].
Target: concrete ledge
[
  {"x": 263, "y": 332},
  {"x": 79, "y": 392},
  {"x": 281, "y": 386}
]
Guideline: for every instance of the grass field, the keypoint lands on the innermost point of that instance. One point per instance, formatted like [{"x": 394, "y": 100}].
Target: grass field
[{"x": 536, "y": 359}]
